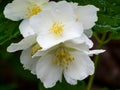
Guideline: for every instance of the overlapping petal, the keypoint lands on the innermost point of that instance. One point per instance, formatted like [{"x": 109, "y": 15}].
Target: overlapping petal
[
  {"x": 47, "y": 71},
  {"x": 81, "y": 67},
  {"x": 23, "y": 44},
  {"x": 25, "y": 28},
  {"x": 87, "y": 15}
]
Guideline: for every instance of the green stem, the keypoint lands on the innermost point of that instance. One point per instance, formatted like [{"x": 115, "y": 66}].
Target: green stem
[{"x": 101, "y": 43}]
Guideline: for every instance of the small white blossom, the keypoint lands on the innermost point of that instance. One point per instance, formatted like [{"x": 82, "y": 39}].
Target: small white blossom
[
  {"x": 25, "y": 9},
  {"x": 22, "y": 9},
  {"x": 56, "y": 25},
  {"x": 68, "y": 59}
]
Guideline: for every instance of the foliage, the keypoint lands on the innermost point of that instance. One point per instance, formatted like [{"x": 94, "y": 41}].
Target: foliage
[{"x": 8, "y": 28}]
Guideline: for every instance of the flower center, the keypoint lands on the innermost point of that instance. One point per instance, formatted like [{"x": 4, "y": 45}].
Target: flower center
[
  {"x": 33, "y": 10},
  {"x": 63, "y": 57},
  {"x": 77, "y": 19},
  {"x": 57, "y": 28},
  {"x": 35, "y": 48}
]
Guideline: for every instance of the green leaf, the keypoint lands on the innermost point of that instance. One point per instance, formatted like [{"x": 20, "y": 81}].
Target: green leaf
[
  {"x": 8, "y": 29},
  {"x": 115, "y": 35}
]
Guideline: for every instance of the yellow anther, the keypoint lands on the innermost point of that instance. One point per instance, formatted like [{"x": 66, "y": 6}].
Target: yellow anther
[
  {"x": 33, "y": 10},
  {"x": 77, "y": 19},
  {"x": 55, "y": 61},
  {"x": 35, "y": 48},
  {"x": 63, "y": 57},
  {"x": 57, "y": 28}
]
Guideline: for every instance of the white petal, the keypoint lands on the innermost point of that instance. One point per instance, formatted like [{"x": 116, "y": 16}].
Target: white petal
[
  {"x": 27, "y": 61},
  {"x": 81, "y": 67},
  {"x": 96, "y": 52},
  {"x": 25, "y": 28},
  {"x": 16, "y": 10},
  {"x": 70, "y": 80},
  {"x": 23, "y": 44},
  {"x": 83, "y": 39},
  {"x": 86, "y": 40},
  {"x": 63, "y": 11},
  {"x": 81, "y": 47},
  {"x": 38, "y": 1},
  {"x": 87, "y": 15},
  {"x": 88, "y": 32},
  {"x": 42, "y": 22},
  {"x": 48, "y": 72}
]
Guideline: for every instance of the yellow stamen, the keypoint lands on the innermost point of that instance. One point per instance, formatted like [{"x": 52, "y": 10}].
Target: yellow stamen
[
  {"x": 77, "y": 19},
  {"x": 63, "y": 57},
  {"x": 35, "y": 48},
  {"x": 57, "y": 28},
  {"x": 33, "y": 10}
]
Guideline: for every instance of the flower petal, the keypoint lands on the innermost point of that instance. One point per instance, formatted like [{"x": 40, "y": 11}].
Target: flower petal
[
  {"x": 16, "y": 10},
  {"x": 86, "y": 40},
  {"x": 88, "y": 32},
  {"x": 25, "y": 28},
  {"x": 63, "y": 11},
  {"x": 82, "y": 40},
  {"x": 96, "y": 52},
  {"x": 87, "y": 15},
  {"x": 48, "y": 72},
  {"x": 27, "y": 61},
  {"x": 23, "y": 44},
  {"x": 41, "y": 22},
  {"x": 38, "y": 1},
  {"x": 81, "y": 47},
  {"x": 81, "y": 67},
  {"x": 70, "y": 80}
]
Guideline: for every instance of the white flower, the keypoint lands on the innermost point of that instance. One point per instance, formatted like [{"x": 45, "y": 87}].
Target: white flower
[
  {"x": 22, "y": 9},
  {"x": 56, "y": 25},
  {"x": 70, "y": 59}
]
